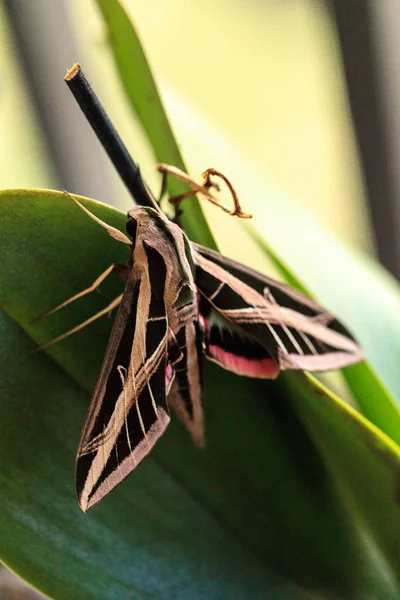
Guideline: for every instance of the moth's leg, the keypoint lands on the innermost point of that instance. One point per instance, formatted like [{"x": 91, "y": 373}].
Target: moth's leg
[
  {"x": 112, "y": 231},
  {"x": 182, "y": 176},
  {"x": 77, "y": 328},
  {"x": 122, "y": 270},
  {"x": 175, "y": 200}
]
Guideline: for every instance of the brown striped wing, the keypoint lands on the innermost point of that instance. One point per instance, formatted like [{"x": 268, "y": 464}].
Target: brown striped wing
[
  {"x": 256, "y": 326},
  {"x": 128, "y": 412},
  {"x": 153, "y": 337}
]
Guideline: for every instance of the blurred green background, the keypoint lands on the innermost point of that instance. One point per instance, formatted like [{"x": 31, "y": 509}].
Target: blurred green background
[
  {"x": 254, "y": 88},
  {"x": 257, "y": 84}
]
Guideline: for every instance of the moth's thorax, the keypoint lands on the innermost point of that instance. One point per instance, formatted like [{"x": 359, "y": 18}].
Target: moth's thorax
[
  {"x": 160, "y": 245},
  {"x": 153, "y": 228}
]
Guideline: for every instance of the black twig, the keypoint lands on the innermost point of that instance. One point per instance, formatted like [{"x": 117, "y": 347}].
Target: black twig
[{"x": 127, "y": 169}]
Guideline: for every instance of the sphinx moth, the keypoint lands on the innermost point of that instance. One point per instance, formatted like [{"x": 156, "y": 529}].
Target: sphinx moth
[{"x": 181, "y": 302}]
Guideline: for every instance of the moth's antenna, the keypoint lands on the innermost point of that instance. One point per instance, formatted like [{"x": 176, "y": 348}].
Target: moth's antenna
[
  {"x": 112, "y": 231},
  {"x": 127, "y": 169},
  {"x": 203, "y": 189}
]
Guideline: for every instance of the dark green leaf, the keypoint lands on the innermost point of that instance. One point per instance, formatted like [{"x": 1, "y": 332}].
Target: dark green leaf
[{"x": 266, "y": 496}]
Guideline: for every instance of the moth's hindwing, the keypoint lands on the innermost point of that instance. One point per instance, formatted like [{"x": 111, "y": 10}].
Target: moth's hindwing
[
  {"x": 185, "y": 396},
  {"x": 256, "y": 326}
]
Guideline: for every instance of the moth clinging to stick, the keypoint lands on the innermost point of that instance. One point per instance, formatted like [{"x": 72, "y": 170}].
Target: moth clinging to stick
[{"x": 181, "y": 302}]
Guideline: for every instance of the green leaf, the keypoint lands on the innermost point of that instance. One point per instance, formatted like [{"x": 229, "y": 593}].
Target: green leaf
[
  {"x": 265, "y": 497},
  {"x": 365, "y": 466},
  {"x": 152, "y": 539},
  {"x": 142, "y": 93}
]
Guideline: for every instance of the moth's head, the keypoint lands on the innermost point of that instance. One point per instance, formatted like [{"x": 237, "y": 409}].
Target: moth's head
[
  {"x": 151, "y": 227},
  {"x": 140, "y": 217},
  {"x": 148, "y": 223}
]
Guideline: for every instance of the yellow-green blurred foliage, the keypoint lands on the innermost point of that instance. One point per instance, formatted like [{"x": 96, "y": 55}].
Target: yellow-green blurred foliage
[{"x": 254, "y": 88}]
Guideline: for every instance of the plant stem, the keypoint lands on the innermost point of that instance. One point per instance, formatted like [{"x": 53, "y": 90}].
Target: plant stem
[{"x": 90, "y": 105}]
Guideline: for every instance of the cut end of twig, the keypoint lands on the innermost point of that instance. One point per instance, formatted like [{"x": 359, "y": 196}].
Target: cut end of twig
[{"x": 72, "y": 72}]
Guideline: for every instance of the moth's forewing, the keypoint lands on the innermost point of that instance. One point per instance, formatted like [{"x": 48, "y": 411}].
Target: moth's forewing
[
  {"x": 261, "y": 328},
  {"x": 284, "y": 294},
  {"x": 128, "y": 411}
]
